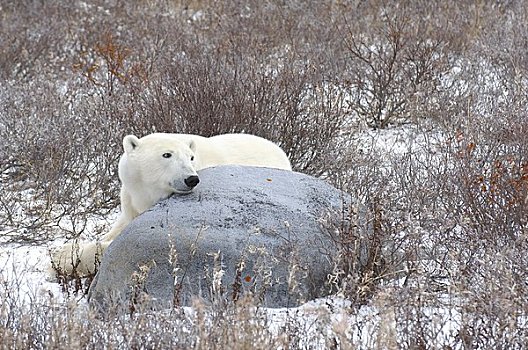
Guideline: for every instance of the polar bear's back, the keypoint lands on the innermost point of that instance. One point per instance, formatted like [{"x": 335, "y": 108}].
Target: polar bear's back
[
  {"x": 244, "y": 149},
  {"x": 236, "y": 149},
  {"x": 230, "y": 149}
]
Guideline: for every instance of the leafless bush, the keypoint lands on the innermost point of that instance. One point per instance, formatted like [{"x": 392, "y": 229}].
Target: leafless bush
[
  {"x": 28, "y": 46},
  {"x": 394, "y": 63},
  {"x": 210, "y": 94},
  {"x": 57, "y": 155}
]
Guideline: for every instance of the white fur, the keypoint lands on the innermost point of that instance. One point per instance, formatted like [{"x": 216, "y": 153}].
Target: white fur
[{"x": 148, "y": 177}]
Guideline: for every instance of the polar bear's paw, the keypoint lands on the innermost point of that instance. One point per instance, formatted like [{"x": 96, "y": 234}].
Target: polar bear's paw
[{"x": 76, "y": 259}]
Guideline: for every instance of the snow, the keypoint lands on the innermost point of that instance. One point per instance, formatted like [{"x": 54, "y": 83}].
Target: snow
[{"x": 23, "y": 268}]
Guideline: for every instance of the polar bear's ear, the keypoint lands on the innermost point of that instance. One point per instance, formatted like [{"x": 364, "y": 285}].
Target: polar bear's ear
[
  {"x": 192, "y": 146},
  {"x": 130, "y": 142}
]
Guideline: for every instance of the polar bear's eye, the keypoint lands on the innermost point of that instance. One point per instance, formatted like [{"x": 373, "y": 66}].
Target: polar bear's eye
[
  {"x": 192, "y": 158},
  {"x": 167, "y": 155}
]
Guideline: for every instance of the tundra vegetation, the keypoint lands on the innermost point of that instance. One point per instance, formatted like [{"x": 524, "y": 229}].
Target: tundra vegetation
[{"x": 416, "y": 108}]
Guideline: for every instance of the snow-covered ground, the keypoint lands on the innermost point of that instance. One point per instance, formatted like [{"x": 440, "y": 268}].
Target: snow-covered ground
[{"x": 24, "y": 268}]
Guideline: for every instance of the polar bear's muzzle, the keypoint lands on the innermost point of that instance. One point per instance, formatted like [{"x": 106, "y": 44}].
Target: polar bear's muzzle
[
  {"x": 192, "y": 181},
  {"x": 187, "y": 186}
]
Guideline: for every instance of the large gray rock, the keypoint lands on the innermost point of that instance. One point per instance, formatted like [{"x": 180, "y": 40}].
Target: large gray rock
[{"x": 243, "y": 229}]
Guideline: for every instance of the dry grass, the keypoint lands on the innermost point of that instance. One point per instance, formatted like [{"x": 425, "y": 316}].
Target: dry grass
[{"x": 444, "y": 263}]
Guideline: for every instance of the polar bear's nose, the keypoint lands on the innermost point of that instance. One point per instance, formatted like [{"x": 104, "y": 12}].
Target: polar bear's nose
[{"x": 192, "y": 181}]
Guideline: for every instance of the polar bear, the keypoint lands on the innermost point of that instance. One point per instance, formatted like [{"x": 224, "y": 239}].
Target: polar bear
[{"x": 159, "y": 165}]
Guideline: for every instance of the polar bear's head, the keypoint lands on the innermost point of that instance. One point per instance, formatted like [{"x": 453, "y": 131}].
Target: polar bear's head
[{"x": 159, "y": 163}]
